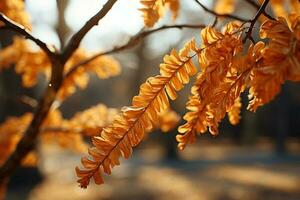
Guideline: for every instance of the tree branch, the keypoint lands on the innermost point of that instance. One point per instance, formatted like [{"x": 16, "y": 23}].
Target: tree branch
[
  {"x": 253, "y": 21},
  {"x": 18, "y": 28},
  {"x": 257, "y": 6},
  {"x": 27, "y": 143},
  {"x": 220, "y": 15},
  {"x": 133, "y": 41},
  {"x": 77, "y": 37}
]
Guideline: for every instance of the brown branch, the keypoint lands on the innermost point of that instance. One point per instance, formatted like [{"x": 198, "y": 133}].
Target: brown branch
[
  {"x": 18, "y": 28},
  {"x": 220, "y": 15},
  {"x": 27, "y": 143},
  {"x": 253, "y": 21},
  {"x": 257, "y": 6},
  {"x": 133, "y": 41},
  {"x": 77, "y": 37}
]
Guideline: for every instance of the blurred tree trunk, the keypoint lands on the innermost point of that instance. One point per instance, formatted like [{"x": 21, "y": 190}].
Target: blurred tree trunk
[
  {"x": 249, "y": 128},
  {"x": 62, "y": 28},
  {"x": 282, "y": 121},
  {"x": 8, "y": 83}
]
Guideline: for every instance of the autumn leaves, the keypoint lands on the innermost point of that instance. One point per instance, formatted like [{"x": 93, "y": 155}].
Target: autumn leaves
[
  {"x": 129, "y": 128},
  {"x": 153, "y": 10},
  {"x": 214, "y": 91},
  {"x": 227, "y": 70},
  {"x": 279, "y": 60},
  {"x": 228, "y": 67}
]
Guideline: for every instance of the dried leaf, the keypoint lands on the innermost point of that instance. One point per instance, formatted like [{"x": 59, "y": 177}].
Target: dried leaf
[{"x": 129, "y": 127}]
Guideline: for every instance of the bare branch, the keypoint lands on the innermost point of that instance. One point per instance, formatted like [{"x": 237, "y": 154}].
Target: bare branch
[
  {"x": 257, "y": 6},
  {"x": 18, "y": 28},
  {"x": 253, "y": 21},
  {"x": 133, "y": 41},
  {"x": 220, "y": 15},
  {"x": 77, "y": 37}
]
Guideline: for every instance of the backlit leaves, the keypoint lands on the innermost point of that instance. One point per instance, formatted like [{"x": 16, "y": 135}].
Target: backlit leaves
[
  {"x": 263, "y": 69},
  {"x": 153, "y": 10},
  {"x": 104, "y": 67},
  {"x": 228, "y": 65},
  {"x": 11, "y": 132},
  {"x": 68, "y": 133},
  {"x": 31, "y": 62},
  {"x": 213, "y": 93},
  {"x": 225, "y": 6},
  {"x": 14, "y": 9},
  {"x": 90, "y": 122},
  {"x": 129, "y": 127},
  {"x": 168, "y": 120},
  {"x": 281, "y": 61},
  {"x": 226, "y": 72}
]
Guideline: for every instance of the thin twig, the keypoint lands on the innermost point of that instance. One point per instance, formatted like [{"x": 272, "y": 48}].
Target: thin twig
[
  {"x": 253, "y": 21},
  {"x": 133, "y": 41},
  {"x": 220, "y": 15},
  {"x": 215, "y": 22},
  {"x": 18, "y": 28},
  {"x": 77, "y": 37},
  {"x": 257, "y": 6}
]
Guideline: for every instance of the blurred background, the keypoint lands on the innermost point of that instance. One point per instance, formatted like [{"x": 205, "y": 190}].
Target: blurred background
[{"x": 258, "y": 159}]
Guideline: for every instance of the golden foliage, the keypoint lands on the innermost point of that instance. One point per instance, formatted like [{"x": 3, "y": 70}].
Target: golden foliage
[
  {"x": 57, "y": 130},
  {"x": 103, "y": 66},
  {"x": 214, "y": 91},
  {"x": 31, "y": 62},
  {"x": 234, "y": 112},
  {"x": 91, "y": 121},
  {"x": 168, "y": 120},
  {"x": 69, "y": 133},
  {"x": 282, "y": 8},
  {"x": 30, "y": 160},
  {"x": 129, "y": 127},
  {"x": 281, "y": 61},
  {"x": 153, "y": 10},
  {"x": 15, "y": 10},
  {"x": 11, "y": 132},
  {"x": 226, "y": 73},
  {"x": 67, "y": 139},
  {"x": 278, "y": 7},
  {"x": 225, "y": 6}
]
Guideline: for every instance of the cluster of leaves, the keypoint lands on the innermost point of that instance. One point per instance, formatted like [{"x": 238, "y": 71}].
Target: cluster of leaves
[
  {"x": 29, "y": 63},
  {"x": 68, "y": 133},
  {"x": 153, "y": 10},
  {"x": 226, "y": 72},
  {"x": 15, "y": 10},
  {"x": 224, "y": 64}
]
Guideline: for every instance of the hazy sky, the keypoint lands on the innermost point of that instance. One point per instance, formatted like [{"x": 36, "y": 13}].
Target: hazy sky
[{"x": 121, "y": 22}]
